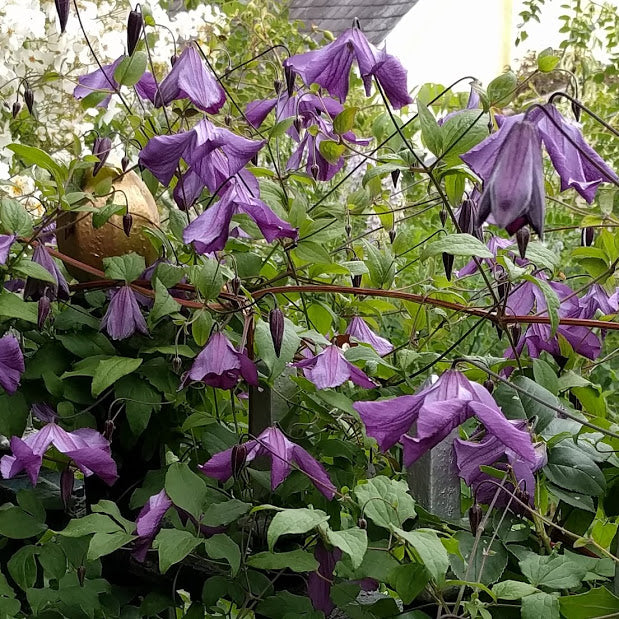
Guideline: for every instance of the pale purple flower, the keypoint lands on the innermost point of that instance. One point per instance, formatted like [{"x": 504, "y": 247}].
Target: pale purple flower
[
  {"x": 437, "y": 410},
  {"x": 86, "y": 447},
  {"x": 44, "y": 412},
  {"x": 220, "y": 365},
  {"x": 11, "y": 363},
  {"x": 330, "y": 368},
  {"x": 596, "y": 298},
  {"x": 359, "y": 330},
  {"x": 319, "y": 583},
  {"x": 6, "y": 240},
  {"x": 123, "y": 317},
  {"x": 148, "y": 523},
  {"x": 330, "y": 66},
  {"x": 36, "y": 288},
  {"x": 283, "y": 454},
  {"x": 190, "y": 79}
]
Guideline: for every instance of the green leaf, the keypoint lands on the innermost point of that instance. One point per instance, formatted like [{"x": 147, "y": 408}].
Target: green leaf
[
  {"x": 354, "y": 542},
  {"x": 173, "y": 546},
  {"x": 220, "y": 546},
  {"x": 598, "y": 602},
  {"x": 186, "y": 489},
  {"x": 218, "y": 514},
  {"x": 345, "y": 120},
  {"x": 572, "y": 469},
  {"x": 547, "y": 60},
  {"x": 502, "y": 89},
  {"x": 553, "y": 572},
  {"x": 111, "y": 509},
  {"x": 109, "y": 371},
  {"x": 12, "y": 306},
  {"x": 201, "y": 326},
  {"x": 545, "y": 376},
  {"x": 552, "y": 301},
  {"x": 102, "y": 544},
  {"x": 540, "y": 605},
  {"x": 285, "y": 605},
  {"x": 580, "y": 501},
  {"x": 164, "y": 304},
  {"x": 127, "y": 267},
  {"x": 208, "y": 278},
  {"x": 27, "y": 268},
  {"x": 541, "y": 256},
  {"x": 22, "y": 567},
  {"x": 265, "y": 350},
  {"x": 53, "y": 560},
  {"x": 309, "y": 251},
  {"x": 331, "y": 150},
  {"x": 385, "y": 501},
  {"x": 512, "y": 589},
  {"x": 93, "y": 523},
  {"x": 380, "y": 264},
  {"x": 102, "y": 215},
  {"x": 295, "y": 560},
  {"x": 15, "y": 523},
  {"x": 294, "y": 522},
  {"x": 280, "y": 127},
  {"x": 409, "y": 580},
  {"x": 140, "y": 401},
  {"x": 529, "y": 407},
  {"x": 86, "y": 343},
  {"x": 488, "y": 563},
  {"x": 31, "y": 155},
  {"x": 430, "y": 130},
  {"x": 464, "y": 130},
  {"x": 130, "y": 69},
  {"x": 14, "y": 218},
  {"x": 430, "y": 550},
  {"x": 457, "y": 245}
]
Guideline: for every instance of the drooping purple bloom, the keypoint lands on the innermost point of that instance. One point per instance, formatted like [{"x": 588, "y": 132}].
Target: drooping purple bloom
[
  {"x": 44, "y": 412},
  {"x": 11, "y": 363},
  {"x": 514, "y": 190},
  {"x": 123, "y": 317},
  {"x": 597, "y": 298},
  {"x": 491, "y": 451},
  {"x": 330, "y": 68},
  {"x": 6, "y": 240},
  {"x": 319, "y": 583},
  {"x": 359, "y": 330},
  {"x": 330, "y": 368},
  {"x": 437, "y": 410},
  {"x": 220, "y": 365},
  {"x": 86, "y": 447},
  {"x": 148, "y": 523},
  {"x": 36, "y": 288},
  {"x": 283, "y": 454}
]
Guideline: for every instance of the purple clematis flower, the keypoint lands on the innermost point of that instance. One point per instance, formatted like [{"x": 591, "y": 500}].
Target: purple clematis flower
[
  {"x": 597, "y": 298},
  {"x": 102, "y": 80},
  {"x": 319, "y": 583},
  {"x": 282, "y": 452},
  {"x": 358, "y": 329},
  {"x": 6, "y": 240},
  {"x": 86, "y": 447},
  {"x": 330, "y": 66},
  {"x": 11, "y": 363},
  {"x": 35, "y": 288},
  {"x": 220, "y": 365},
  {"x": 148, "y": 523},
  {"x": 437, "y": 410},
  {"x": 330, "y": 368},
  {"x": 491, "y": 451},
  {"x": 123, "y": 317},
  {"x": 189, "y": 79}
]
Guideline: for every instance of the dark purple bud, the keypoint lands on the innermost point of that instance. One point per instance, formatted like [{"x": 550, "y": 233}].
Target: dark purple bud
[
  {"x": 289, "y": 75},
  {"x": 238, "y": 456},
  {"x": 489, "y": 385},
  {"x": 503, "y": 288},
  {"x": 443, "y": 217},
  {"x": 276, "y": 324},
  {"x": 522, "y": 238},
  {"x": 254, "y": 159},
  {"x": 173, "y": 60},
  {"x": 391, "y": 236},
  {"x": 576, "y": 111},
  {"x": 62, "y": 8},
  {"x": 227, "y": 120},
  {"x": 315, "y": 170},
  {"x": 29, "y": 99},
  {"x": 475, "y": 516},
  {"x": 235, "y": 285},
  {"x": 67, "y": 478},
  {"x": 15, "y": 109},
  {"x": 127, "y": 223},
  {"x": 101, "y": 149},
  {"x": 135, "y": 23},
  {"x": 466, "y": 217},
  {"x": 499, "y": 331},
  {"x": 124, "y": 163},
  {"x": 348, "y": 229},
  {"x": 356, "y": 281},
  {"x": 362, "y": 523},
  {"x": 81, "y": 574},
  {"x": 177, "y": 364},
  {"x": 395, "y": 175},
  {"x": 297, "y": 124},
  {"x": 561, "y": 361},
  {"x": 44, "y": 309},
  {"x": 277, "y": 85},
  {"x": 522, "y": 495},
  {"x": 586, "y": 236},
  {"x": 448, "y": 263},
  {"x": 108, "y": 431}
]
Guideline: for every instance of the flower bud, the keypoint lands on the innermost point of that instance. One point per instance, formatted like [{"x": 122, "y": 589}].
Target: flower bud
[
  {"x": 108, "y": 431},
  {"x": 297, "y": 124},
  {"x": 135, "y": 23},
  {"x": 276, "y": 324},
  {"x": 62, "y": 8},
  {"x": 43, "y": 310},
  {"x": 289, "y": 74},
  {"x": 362, "y": 523},
  {"x": 238, "y": 456},
  {"x": 127, "y": 223},
  {"x": 503, "y": 288},
  {"x": 443, "y": 217},
  {"x": 391, "y": 236},
  {"x": 254, "y": 159},
  {"x": 522, "y": 495},
  {"x": 356, "y": 281},
  {"x": 489, "y": 385},
  {"x": 515, "y": 332},
  {"x": 173, "y": 60},
  {"x": 227, "y": 120},
  {"x": 124, "y": 163},
  {"x": 466, "y": 217},
  {"x": 348, "y": 229},
  {"x": 101, "y": 149},
  {"x": 15, "y": 109},
  {"x": 67, "y": 479},
  {"x": 315, "y": 169},
  {"x": 277, "y": 85},
  {"x": 576, "y": 111},
  {"x": 395, "y": 175},
  {"x": 448, "y": 263},
  {"x": 586, "y": 236},
  {"x": 522, "y": 238},
  {"x": 29, "y": 99},
  {"x": 177, "y": 364},
  {"x": 475, "y": 516},
  {"x": 81, "y": 574}
]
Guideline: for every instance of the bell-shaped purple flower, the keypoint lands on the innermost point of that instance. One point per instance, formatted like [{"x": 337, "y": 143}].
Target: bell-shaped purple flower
[
  {"x": 330, "y": 66},
  {"x": 596, "y": 298},
  {"x": 190, "y": 79},
  {"x": 283, "y": 454},
  {"x": 319, "y": 583},
  {"x": 6, "y": 240},
  {"x": 36, "y": 288},
  {"x": 11, "y": 363},
  {"x": 437, "y": 410},
  {"x": 514, "y": 191},
  {"x": 220, "y": 365},
  {"x": 123, "y": 317},
  {"x": 148, "y": 523},
  {"x": 330, "y": 368},
  {"x": 86, "y": 447},
  {"x": 358, "y": 330}
]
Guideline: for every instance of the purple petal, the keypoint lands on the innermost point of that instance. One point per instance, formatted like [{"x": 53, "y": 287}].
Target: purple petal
[
  {"x": 148, "y": 523},
  {"x": 100, "y": 80},
  {"x": 11, "y": 363},
  {"x": 257, "y": 111},
  {"x": 123, "y": 316},
  {"x": 6, "y": 240},
  {"x": 163, "y": 152},
  {"x": 209, "y": 231},
  {"x": 359, "y": 330},
  {"x": 319, "y": 582},
  {"x": 218, "y": 364},
  {"x": 23, "y": 458}
]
